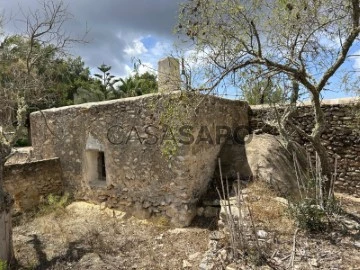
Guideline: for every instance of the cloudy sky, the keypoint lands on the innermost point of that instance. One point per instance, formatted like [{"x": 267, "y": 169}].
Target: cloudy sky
[{"x": 119, "y": 31}]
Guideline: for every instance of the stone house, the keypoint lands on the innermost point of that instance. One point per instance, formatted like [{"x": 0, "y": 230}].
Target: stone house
[
  {"x": 150, "y": 155},
  {"x": 115, "y": 151}
]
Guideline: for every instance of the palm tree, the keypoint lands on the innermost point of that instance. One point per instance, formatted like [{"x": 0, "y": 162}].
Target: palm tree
[
  {"x": 128, "y": 87},
  {"x": 138, "y": 85}
]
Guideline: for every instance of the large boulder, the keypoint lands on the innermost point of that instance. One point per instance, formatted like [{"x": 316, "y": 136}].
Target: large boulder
[{"x": 269, "y": 161}]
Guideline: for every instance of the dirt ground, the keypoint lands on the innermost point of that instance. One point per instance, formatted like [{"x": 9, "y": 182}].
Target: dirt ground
[{"x": 86, "y": 236}]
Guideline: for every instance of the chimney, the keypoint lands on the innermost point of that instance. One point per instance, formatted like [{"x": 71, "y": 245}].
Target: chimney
[{"x": 169, "y": 75}]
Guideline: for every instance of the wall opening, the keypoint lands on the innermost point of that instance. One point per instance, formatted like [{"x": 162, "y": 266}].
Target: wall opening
[
  {"x": 101, "y": 166},
  {"x": 96, "y": 167}
]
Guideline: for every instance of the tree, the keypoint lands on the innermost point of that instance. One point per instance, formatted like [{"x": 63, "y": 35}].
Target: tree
[
  {"x": 22, "y": 84},
  {"x": 60, "y": 77},
  {"x": 258, "y": 90},
  {"x": 147, "y": 83},
  {"x": 102, "y": 87},
  {"x": 138, "y": 85},
  {"x": 134, "y": 85},
  {"x": 66, "y": 77},
  {"x": 303, "y": 44},
  {"x": 107, "y": 81}
]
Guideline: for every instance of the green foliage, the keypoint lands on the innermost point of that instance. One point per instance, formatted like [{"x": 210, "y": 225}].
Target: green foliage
[
  {"x": 263, "y": 92},
  {"x": 313, "y": 209},
  {"x": 47, "y": 79},
  {"x": 311, "y": 212},
  {"x": 3, "y": 265},
  {"x": 309, "y": 216},
  {"x": 54, "y": 204},
  {"x": 280, "y": 40},
  {"x": 107, "y": 82},
  {"x": 109, "y": 87},
  {"x": 137, "y": 85},
  {"x": 83, "y": 95},
  {"x": 22, "y": 142},
  {"x": 175, "y": 111},
  {"x": 313, "y": 218},
  {"x": 67, "y": 76}
]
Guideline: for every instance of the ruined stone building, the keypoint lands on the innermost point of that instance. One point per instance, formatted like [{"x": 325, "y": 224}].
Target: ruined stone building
[{"x": 121, "y": 152}]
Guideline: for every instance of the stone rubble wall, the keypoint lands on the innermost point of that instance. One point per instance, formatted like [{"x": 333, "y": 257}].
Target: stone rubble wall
[
  {"x": 341, "y": 136},
  {"x": 139, "y": 179},
  {"x": 21, "y": 155},
  {"x": 29, "y": 182}
]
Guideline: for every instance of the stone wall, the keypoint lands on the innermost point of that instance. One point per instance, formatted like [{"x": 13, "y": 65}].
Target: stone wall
[
  {"x": 21, "y": 155},
  {"x": 102, "y": 162},
  {"x": 31, "y": 181},
  {"x": 341, "y": 136}
]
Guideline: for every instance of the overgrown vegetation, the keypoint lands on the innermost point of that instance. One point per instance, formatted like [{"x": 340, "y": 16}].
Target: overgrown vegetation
[
  {"x": 174, "y": 112},
  {"x": 51, "y": 204},
  {"x": 3, "y": 265},
  {"x": 54, "y": 204},
  {"x": 314, "y": 210},
  {"x": 240, "y": 225},
  {"x": 302, "y": 46}
]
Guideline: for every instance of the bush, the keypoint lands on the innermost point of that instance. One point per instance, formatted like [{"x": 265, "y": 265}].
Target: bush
[
  {"x": 308, "y": 215},
  {"x": 314, "y": 209},
  {"x": 3, "y": 265},
  {"x": 54, "y": 203}
]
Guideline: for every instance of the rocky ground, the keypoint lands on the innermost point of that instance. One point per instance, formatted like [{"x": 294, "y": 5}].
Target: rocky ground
[
  {"x": 86, "y": 236},
  {"x": 281, "y": 245}
]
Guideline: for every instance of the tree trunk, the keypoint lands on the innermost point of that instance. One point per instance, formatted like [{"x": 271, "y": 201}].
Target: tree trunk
[
  {"x": 6, "y": 248},
  {"x": 319, "y": 148},
  {"x": 314, "y": 138},
  {"x": 326, "y": 169}
]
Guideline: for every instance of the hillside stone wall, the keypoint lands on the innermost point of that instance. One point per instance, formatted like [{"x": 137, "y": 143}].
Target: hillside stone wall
[
  {"x": 29, "y": 182},
  {"x": 341, "y": 136}
]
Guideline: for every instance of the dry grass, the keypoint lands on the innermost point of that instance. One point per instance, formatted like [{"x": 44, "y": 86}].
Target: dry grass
[
  {"x": 268, "y": 212},
  {"x": 88, "y": 235},
  {"x": 160, "y": 221}
]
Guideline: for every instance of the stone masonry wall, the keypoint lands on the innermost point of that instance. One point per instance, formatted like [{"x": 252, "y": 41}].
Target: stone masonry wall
[
  {"x": 29, "y": 182},
  {"x": 138, "y": 177},
  {"x": 341, "y": 136}
]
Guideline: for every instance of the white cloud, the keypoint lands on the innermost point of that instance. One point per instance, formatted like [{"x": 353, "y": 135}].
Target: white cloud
[
  {"x": 147, "y": 67},
  {"x": 196, "y": 60},
  {"x": 148, "y": 57},
  {"x": 136, "y": 48},
  {"x": 161, "y": 48},
  {"x": 128, "y": 71},
  {"x": 143, "y": 68}
]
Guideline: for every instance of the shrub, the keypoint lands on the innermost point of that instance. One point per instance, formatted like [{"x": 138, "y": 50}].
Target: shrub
[
  {"x": 308, "y": 215},
  {"x": 3, "y": 265},
  {"x": 54, "y": 203},
  {"x": 313, "y": 210}
]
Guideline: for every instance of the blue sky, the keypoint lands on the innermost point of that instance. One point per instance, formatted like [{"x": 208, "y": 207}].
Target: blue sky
[{"x": 121, "y": 31}]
